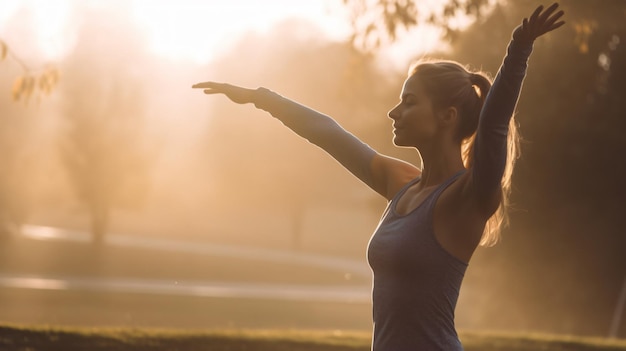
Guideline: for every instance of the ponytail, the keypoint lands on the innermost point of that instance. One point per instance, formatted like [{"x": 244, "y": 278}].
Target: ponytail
[{"x": 480, "y": 84}]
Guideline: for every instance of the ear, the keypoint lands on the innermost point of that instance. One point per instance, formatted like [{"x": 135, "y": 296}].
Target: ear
[{"x": 448, "y": 116}]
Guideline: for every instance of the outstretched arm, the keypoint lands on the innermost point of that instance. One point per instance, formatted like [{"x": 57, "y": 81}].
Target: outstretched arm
[
  {"x": 490, "y": 147},
  {"x": 316, "y": 127}
]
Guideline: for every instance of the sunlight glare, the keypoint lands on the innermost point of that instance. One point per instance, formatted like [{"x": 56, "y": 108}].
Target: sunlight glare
[
  {"x": 33, "y": 283},
  {"x": 51, "y": 20},
  {"x": 200, "y": 30},
  {"x": 46, "y": 22},
  {"x": 7, "y": 10},
  {"x": 192, "y": 30}
]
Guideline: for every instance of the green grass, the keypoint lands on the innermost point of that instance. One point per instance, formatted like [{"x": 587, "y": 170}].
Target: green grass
[
  {"x": 535, "y": 342},
  {"x": 58, "y": 338}
]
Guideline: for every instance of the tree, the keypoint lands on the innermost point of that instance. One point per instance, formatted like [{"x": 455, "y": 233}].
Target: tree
[
  {"x": 103, "y": 147},
  {"x": 19, "y": 165},
  {"x": 18, "y": 137},
  {"x": 377, "y": 21}
]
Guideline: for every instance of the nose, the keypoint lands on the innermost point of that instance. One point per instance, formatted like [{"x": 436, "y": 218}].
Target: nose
[{"x": 393, "y": 113}]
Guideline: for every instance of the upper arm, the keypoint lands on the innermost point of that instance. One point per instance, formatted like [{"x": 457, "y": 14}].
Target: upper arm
[
  {"x": 389, "y": 175},
  {"x": 385, "y": 175},
  {"x": 482, "y": 202},
  {"x": 491, "y": 145}
]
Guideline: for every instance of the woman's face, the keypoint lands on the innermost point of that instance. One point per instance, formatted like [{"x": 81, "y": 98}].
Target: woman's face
[{"x": 414, "y": 121}]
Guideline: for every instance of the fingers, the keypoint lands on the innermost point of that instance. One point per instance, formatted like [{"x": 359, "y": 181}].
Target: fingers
[
  {"x": 548, "y": 20},
  {"x": 556, "y": 16},
  {"x": 556, "y": 25},
  {"x": 211, "y": 87},
  {"x": 552, "y": 24},
  {"x": 205, "y": 85},
  {"x": 542, "y": 21},
  {"x": 201, "y": 85},
  {"x": 547, "y": 13},
  {"x": 533, "y": 17}
]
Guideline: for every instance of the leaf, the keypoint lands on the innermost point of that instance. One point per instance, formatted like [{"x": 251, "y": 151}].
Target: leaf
[
  {"x": 28, "y": 87},
  {"x": 18, "y": 86},
  {"x": 54, "y": 77},
  {"x": 43, "y": 84},
  {"x": 3, "y": 50}
]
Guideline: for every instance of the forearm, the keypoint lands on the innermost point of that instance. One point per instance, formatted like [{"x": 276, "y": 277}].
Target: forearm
[
  {"x": 491, "y": 144},
  {"x": 320, "y": 130}
]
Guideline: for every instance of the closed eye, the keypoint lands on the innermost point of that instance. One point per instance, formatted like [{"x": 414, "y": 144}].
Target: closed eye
[{"x": 408, "y": 99}]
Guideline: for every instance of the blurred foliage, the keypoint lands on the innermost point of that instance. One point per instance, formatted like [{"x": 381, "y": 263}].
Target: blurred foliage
[
  {"x": 44, "y": 82},
  {"x": 20, "y": 139},
  {"x": 31, "y": 81},
  {"x": 375, "y": 22}
]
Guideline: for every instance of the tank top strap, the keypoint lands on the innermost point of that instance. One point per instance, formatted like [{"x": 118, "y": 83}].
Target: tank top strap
[
  {"x": 449, "y": 181},
  {"x": 405, "y": 188},
  {"x": 432, "y": 198}
]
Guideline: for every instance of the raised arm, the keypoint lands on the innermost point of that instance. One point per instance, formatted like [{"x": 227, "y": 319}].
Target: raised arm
[
  {"x": 317, "y": 128},
  {"x": 320, "y": 130},
  {"x": 490, "y": 148}
]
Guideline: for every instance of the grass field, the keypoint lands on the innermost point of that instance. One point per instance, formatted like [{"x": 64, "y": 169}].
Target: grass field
[{"x": 53, "y": 339}]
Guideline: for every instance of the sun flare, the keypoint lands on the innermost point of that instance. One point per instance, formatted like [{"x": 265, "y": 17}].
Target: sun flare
[
  {"x": 36, "y": 21},
  {"x": 194, "y": 30},
  {"x": 198, "y": 30}
]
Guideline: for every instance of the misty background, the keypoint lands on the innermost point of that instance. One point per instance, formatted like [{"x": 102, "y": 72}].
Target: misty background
[{"x": 115, "y": 142}]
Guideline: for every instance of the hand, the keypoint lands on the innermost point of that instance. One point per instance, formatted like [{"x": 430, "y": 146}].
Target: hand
[
  {"x": 236, "y": 94},
  {"x": 540, "y": 23}
]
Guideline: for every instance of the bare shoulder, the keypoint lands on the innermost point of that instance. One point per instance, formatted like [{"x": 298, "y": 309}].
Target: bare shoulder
[{"x": 390, "y": 174}]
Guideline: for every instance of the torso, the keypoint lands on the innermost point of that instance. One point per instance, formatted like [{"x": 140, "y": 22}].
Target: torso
[
  {"x": 458, "y": 237},
  {"x": 416, "y": 281},
  {"x": 413, "y": 197}
]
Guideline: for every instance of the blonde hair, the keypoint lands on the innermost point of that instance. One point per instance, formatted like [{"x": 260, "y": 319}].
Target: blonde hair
[{"x": 449, "y": 83}]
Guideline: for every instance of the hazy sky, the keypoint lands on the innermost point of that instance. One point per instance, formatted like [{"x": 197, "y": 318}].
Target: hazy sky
[
  {"x": 188, "y": 30},
  {"x": 185, "y": 29}
]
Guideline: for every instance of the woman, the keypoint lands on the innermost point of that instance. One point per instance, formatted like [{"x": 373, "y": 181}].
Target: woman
[{"x": 436, "y": 216}]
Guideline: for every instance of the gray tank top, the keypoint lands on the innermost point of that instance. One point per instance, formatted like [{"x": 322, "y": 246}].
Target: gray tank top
[{"x": 416, "y": 281}]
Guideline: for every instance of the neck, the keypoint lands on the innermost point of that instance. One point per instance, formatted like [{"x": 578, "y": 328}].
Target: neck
[{"x": 439, "y": 164}]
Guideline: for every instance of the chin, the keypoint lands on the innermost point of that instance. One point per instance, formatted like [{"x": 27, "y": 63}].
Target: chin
[{"x": 399, "y": 142}]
